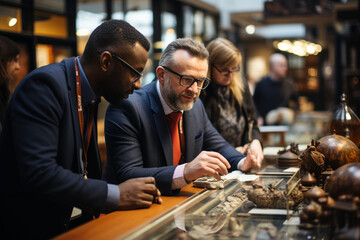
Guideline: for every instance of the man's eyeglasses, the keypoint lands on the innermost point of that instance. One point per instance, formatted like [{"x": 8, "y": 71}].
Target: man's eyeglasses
[
  {"x": 188, "y": 81},
  {"x": 224, "y": 72},
  {"x": 136, "y": 73}
]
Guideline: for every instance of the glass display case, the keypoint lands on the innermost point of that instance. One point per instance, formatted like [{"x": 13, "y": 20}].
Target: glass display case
[{"x": 228, "y": 214}]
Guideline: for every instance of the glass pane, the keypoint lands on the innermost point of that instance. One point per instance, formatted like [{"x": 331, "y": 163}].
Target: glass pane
[
  {"x": 199, "y": 23},
  {"x": 53, "y": 5},
  {"x": 118, "y": 12},
  {"x": 10, "y": 19},
  {"x": 140, "y": 16},
  {"x": 168, "y": 33},
  {"x": 45, "y": 22},
  {"x": 210, "y": 31},
  {"x": 46, "y": 54},
  {"x": 188, "y": 21},
  {"x": 135, "y": 5},
  {"x": 89, "y": 16},
  {"x": 142, "y": 20}
]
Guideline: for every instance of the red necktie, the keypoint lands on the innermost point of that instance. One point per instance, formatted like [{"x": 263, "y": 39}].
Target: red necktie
[{"x": 173, "y": 121}]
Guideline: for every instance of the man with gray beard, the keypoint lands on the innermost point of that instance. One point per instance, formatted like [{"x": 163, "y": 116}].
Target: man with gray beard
[{"x": 140, "y": 140}]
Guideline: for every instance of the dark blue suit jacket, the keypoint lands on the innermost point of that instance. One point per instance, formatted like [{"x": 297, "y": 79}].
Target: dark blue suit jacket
[
  {"x": 41, "y": 180},
  {"x": 138, "y": 139}
]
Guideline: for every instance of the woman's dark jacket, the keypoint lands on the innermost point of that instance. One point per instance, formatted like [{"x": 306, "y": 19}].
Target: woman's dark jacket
[{"x": 210, "y": 98}]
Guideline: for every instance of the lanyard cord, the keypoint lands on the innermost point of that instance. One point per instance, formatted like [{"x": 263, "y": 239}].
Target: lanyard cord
[{"x": 85, "y": 146}]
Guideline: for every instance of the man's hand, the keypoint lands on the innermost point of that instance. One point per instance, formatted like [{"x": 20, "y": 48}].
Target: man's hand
[
  {"x": 211, "y": 164},
  {"x": 254, "y": 156},
  {"x": 138, "y": 193},
  {"x": 256, "y": 149}
]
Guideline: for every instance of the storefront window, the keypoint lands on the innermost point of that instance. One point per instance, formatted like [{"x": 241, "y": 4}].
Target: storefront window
[
  {"x": 10, "y": 19},
  {"x": 118, "y": 12},
  {"x": 45, "y": 22},
  {"x": 168, "y": 28},
  {"x": 210, "y": 29},
  {"x": 188, "y": 21},
  {"x": 199, "y": 24},
  {"x": 52, "y": 5},
  {"x": 142, "y": 20},
  {"x": 140, "y": 15},
  {"x": 46, "y": 54},
  {"x": 90, "y": 15}
]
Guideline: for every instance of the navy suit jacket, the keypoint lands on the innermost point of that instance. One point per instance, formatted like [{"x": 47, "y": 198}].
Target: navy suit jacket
[
  {"x": 138, "y": 139},
  {"x": 41, "y": 180}
]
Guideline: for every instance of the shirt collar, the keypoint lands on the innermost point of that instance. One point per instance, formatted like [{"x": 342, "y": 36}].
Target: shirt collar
[
  {"x": 89, "y": 97},
  {"x": 167, "y": 109}
]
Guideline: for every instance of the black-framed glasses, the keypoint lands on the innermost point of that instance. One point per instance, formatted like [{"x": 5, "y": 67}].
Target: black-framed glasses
[
  {"x": 138, "y": 74},
  {"x": 224, "y": 72},
  {"x": 188, "y": 81}
]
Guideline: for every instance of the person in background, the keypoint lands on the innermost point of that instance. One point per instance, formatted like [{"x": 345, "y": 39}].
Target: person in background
[
  {"x": 9, "y": 64},
  {"x": 163, "y": 131},
  {"x": 275, "y": 96},
  {"x": 49, "y": 153},
  {"x": 228, "y": 101}
]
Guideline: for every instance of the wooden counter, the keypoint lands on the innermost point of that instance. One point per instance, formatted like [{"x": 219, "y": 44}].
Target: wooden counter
[{"x": 118, "y": 223}]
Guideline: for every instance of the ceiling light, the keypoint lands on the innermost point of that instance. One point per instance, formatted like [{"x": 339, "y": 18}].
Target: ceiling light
[
  {"x": 12, "y": 22},
  {"x": 250, "y": 29}
]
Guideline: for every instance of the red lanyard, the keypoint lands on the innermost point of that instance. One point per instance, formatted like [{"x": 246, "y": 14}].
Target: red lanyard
[{"x": 85, "y": 146}]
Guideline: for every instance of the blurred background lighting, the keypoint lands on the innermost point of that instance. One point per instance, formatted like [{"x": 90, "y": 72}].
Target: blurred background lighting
[
  {"x": 298, "y": 47},
  {"x": 250, "y": 29},
  {"x": 12, "y": 22},
  {"x": 83, "y": 32}
]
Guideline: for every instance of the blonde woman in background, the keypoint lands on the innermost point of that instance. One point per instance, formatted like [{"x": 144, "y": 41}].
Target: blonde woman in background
[{"x": 228, "y": 101}]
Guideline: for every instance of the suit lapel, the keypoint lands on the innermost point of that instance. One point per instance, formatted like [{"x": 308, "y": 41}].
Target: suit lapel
[
  {"x": 161, "y": 124},
  {"x": 189, "y": 132}
]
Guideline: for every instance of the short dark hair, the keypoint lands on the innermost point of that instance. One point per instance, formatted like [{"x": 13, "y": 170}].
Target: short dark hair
[{"x": 112, "y": 34}]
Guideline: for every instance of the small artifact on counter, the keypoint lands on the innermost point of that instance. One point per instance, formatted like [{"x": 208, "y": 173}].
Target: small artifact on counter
[
  {"x": 234, "y": 225},
  {"x": 181, "y": 235},
  {"x": 232, "y": 201},
  {"x": 346, "y": 212},
  {"x": 326, "y": 204},
  {"x": 208, "y": 182},
  {"x": 345, "y": 122},
  {"x": 243, "y": 215},
  {"x": 220, "y": 215},
  {"x": 269, "y": 228},
  {"x": 197, "y": 233},
  {"x": 344, "y": 181},
  {"x": 338, "y": 150},
  {"x": 312, "y": 161},
  {"x": 309, "y": 217},
  {"x": 271, "y": 197},
  {"x": 289, "y": 158},
  {"x": 295, "y": 197},
  {"x": 314, "y": 194},
  {"x": 308, "y": 180}
]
